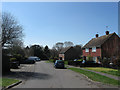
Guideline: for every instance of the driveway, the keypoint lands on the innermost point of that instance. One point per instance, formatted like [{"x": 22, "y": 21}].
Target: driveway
[{"x": 44, "y": 75}]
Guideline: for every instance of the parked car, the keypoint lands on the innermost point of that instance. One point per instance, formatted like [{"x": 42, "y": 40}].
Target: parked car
[
  {"x": 27, "y": 61},
  {"x": 59, "y": 64},
  {"x": 90, "y": 64},
  {"x": 34, "y": 58}
]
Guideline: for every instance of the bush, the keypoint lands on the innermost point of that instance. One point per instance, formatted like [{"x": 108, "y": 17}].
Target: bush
[
  {"x": 80, "y": 59},
  {"x": 51, "y": 60},
  {"x": 74, "y": 63},
  {"x": 18, "y": 57},
  {"x": 66, "y": 62},
  {"x": 89, "y": 58},
  {"x": 105, "y": 62},
  {"x": 89, "y": 64},
  {"x": 12, "y": 59}
]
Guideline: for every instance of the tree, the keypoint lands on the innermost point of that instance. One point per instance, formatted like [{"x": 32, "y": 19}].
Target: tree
[
  {"x": 54, "y": 53},
  {"x": 11, "y": 29},
  {"x": 68, "y": 44},
  {"x": 37, "y": 50},
  {"x": 16, "y": 48},
  {"x": 58, "y": 46},
  {"x": 47, "y": 52},
  {"x": 27, "y": 51}
]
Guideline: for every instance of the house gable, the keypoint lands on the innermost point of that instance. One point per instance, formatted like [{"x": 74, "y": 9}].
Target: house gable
[
  {"x": 97, "y": 42},
  {"x": 105, "y": 46},
  {"x": 111, "y": 47}
]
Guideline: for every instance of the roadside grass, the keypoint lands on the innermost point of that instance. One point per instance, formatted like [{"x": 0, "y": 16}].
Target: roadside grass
[
  {"x": 96, "y": 77},
  {"x": 114, "y": 72},
  {"x": 4, "y": 82},
  {"x": 49, "y": 61}
]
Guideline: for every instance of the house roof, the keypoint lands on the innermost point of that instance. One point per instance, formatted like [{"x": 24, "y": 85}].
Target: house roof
[
  {"x": 64, "y": 50},
  {"x": 97, "y": 42}
]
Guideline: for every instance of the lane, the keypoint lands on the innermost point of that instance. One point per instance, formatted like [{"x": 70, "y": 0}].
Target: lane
[{"x": 46, "y": 76}]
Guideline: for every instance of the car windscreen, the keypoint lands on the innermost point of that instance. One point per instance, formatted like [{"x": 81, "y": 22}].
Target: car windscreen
[{"x": 60, "y": 61}]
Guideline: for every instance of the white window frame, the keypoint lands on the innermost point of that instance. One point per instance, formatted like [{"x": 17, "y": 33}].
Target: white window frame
[
  {"x": 86, "y": 49},
  {"x": 93, "y": 49}
]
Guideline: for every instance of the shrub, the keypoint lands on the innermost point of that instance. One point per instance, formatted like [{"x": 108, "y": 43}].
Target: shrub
[
  {"x": 105, "y": 62},
  {"x": 80, "y": 59},
  {"x": 89, "y": 58},
  {"x": 18, "y": 57},
  {"x": 12, "y": 59}
]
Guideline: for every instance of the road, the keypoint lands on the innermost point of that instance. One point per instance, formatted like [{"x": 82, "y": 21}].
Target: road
[{"x": 44, "y": 75}]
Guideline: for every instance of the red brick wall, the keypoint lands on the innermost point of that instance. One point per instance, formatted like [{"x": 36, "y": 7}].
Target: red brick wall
[{"x": 93, "y": 54}]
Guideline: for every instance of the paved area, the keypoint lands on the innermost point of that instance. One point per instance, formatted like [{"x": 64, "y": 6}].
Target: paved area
[{"x": 44, "y": 75}]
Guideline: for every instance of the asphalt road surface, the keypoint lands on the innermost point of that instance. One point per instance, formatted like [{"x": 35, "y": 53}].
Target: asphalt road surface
[{"x": 44, "y": 75}]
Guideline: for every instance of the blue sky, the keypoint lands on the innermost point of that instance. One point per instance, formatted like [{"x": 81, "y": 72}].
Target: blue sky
[{"x": 46, "y": 23}]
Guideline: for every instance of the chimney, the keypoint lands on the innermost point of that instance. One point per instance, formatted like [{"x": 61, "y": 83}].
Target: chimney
[
  {"x": 107, "y": 32},
  {"x": 97, "y": 35}
]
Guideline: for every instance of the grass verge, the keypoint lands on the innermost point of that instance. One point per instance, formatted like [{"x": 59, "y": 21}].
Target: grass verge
[
  {"x": 4, "y": 82},
  {"x": 96, "y": 77},
  {"x": 49, "y": 61},
  {"x": 114, "y": 72}
]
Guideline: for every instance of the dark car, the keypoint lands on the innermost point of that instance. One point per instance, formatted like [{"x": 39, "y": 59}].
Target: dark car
[
  {"x": 59, "y": 64},
  {"x": 90, "y": 64},
  {"x": 29, "y": 61},
  {"x": 34, "y": 58}
]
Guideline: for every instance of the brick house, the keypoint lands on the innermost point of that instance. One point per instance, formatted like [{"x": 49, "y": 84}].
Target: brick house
[
  {"x": 70, "y": 53},
  {"x": 104, "y": 46}
]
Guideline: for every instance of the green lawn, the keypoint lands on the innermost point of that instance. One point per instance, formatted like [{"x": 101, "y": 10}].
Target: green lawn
[
  {"x": 96, "y": 77},
  {"x": 48, "y": 61},
  {"x": 105, "y": 70},
  {"x": 4, "y": 82}
]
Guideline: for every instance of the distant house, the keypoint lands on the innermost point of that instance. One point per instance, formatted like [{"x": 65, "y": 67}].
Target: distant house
[
  {"x": 104, "y": 46},
  {"x": 70, "y": 53}
]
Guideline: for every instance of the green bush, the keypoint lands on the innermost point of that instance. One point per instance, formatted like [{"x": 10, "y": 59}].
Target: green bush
[
  {"x": 51, "y": 60},
  {"x": 13, "y": 59},
  {"x": 89, "y": 58},
  {"x": 105, "y": 62},
  {"x": 80, "y": 59}
]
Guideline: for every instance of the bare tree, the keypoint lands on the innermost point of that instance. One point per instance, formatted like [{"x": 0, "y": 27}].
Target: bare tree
[
  {"x": 68, "y": 44},
  {"x": 11, "y": 29},
  {"x": 54, "y": 52},
  {"x": 59, "y": 46}
]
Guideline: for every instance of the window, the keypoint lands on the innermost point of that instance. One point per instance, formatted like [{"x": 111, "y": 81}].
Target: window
[
  {"x": 93, "y": 49},
  {"x": 87, "y": 50}
]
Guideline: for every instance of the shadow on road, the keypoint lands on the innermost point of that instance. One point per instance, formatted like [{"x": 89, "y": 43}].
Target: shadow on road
[{"x": 28, "y": 75}]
